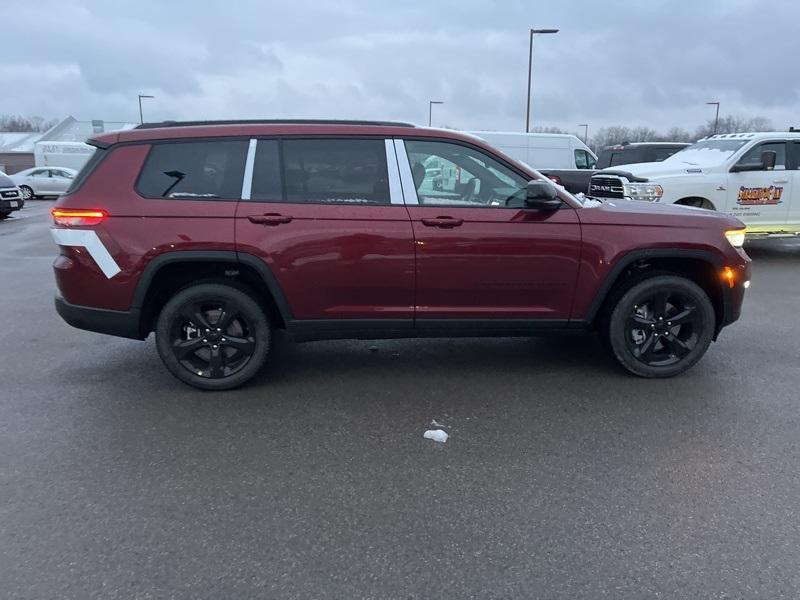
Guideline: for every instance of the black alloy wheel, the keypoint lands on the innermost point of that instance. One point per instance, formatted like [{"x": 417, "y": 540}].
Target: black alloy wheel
[
  {"x": 661, "y": 326},
  {"x": 213, "y": 336}
]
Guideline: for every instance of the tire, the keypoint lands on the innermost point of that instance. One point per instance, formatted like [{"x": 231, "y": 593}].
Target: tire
[
  {"x": 660, "y": 326},
  {"x": 27, "y": 192},
  {"x": 4, "y": 214},
  {"x": 203, "y": 355}
]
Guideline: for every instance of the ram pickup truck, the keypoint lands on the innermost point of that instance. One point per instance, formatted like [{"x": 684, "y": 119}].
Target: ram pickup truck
[{"x": 754, "y": 177}]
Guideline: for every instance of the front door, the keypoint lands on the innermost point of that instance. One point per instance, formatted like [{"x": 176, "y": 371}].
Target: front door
[
  {"x": 326, "y": 215},
  {"x": 481, "y": 254},
  {"x": 761, "y": 198}
]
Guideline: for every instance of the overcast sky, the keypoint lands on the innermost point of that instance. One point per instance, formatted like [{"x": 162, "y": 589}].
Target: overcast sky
[{"x": 651, "y": 63}]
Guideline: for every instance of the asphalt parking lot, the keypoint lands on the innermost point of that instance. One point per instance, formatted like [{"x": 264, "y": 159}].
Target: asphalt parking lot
[{"x": 563, "y": 477}]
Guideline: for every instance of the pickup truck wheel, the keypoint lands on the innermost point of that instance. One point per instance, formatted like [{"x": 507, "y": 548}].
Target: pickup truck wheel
[
  {"x": 213, "y": 336},
  {"x": 4, "y": 214},
  {"x": 661, "y": 326}
]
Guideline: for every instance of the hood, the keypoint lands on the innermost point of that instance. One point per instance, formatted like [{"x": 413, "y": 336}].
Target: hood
[
  {"x": 653, "y": 170},
  {"x": 633, "y": 212},
  {"x": 5, "y": 182}
]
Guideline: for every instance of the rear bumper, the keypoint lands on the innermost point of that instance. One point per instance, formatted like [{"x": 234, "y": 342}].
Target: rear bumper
[{"x": 111, "y": 322}]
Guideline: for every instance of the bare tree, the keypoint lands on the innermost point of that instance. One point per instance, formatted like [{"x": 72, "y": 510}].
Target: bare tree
[
  {"x": 734, "y": 124},
  {"x": 18, "y": 123}
]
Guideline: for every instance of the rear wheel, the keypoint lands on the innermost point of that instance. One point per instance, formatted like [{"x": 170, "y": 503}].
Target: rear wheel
[
  {"x": 213, "y": 336},
  {"x": 661, "y": 326},
  {"x": 4, "y": 214}
]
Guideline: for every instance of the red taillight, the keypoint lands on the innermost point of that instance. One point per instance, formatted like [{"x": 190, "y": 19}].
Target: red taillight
[
  {"x": 70, "y": 217},
  {"x": 555, "y": 178}
]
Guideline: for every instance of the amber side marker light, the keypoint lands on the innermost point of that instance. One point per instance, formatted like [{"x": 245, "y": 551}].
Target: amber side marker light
[
  {"x": 70, "y": 217},
  {"x": 729, "y": 276}
]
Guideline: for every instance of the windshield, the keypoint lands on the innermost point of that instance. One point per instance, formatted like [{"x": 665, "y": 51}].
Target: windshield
[{"x": 707, "y": 152}]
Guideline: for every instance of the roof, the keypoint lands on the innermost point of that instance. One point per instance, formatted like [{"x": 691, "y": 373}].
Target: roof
[
  {"x": 18, "y": 142},
  {"x": 634, "y": 144},
  {"x": 523, "y": 134},
  {"x": 269, "y": 122},
  {"x": 754, "y": 135},
  {"x": 263, "y": 128}
]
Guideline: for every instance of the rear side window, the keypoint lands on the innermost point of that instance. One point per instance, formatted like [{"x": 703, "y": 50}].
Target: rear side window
[
  {"x": 267, "y": 172},
  {"x": 659, "y": 154},
  {"x": 351, "y": 171},
  {"x": 620, "y": 158},
  {"x": 194, "y": 170}
]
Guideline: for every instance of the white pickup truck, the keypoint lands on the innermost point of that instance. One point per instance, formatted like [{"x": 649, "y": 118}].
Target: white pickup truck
[{"x": 752, "y": 176}]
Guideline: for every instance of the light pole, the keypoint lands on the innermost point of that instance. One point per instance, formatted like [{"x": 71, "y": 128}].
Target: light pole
[
  {"x": 430, "y": 109},
  {"x": 716, "y": 118},
  {"x": 530, "y": 62},
  {"x": 141, "y": 119},
  {"x": 585, "y": 131}
]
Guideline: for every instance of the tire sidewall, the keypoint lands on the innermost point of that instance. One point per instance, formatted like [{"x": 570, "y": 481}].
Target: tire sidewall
[
  {"x": 29, "y": 192},
  {"x": 624, "y": 307},
  {"x": 252, "y": 311}
]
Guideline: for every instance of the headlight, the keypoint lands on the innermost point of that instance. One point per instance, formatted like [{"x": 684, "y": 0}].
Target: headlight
[
  {"x": 649, "y": 192},
  {"x": 736, "y": 237}
]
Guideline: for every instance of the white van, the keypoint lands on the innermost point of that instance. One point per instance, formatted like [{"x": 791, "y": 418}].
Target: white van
[{"x": 542, "y": 150}]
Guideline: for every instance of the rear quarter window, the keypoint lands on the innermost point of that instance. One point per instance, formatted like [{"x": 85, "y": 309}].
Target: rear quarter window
[{"x": 194, "y": 170}]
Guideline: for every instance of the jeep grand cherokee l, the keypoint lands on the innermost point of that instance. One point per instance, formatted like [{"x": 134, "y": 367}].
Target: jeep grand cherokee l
[{"x": 213, "y": 235}]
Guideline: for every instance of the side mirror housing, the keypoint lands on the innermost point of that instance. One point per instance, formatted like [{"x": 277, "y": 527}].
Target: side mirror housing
[{"x": 542, "y": 195}]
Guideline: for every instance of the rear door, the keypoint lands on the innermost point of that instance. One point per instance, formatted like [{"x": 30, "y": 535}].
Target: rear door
[
  {"x": 326, "y": 215},
  {"x": 794, "y": 200},
  {"x": 60, "y": 180},
  {"x": 482, "y": 257},
  {"x": 761, "y": 198}
]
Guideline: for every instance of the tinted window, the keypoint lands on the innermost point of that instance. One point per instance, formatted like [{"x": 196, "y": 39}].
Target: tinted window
[
  {"x": 753, "y": 156},
  {"x": 659, "y": 154},
  {"x": 347, "y": 171},
  {"x": 796, "y": 154},
  {"x": 620, "y": 158},
  {"x": 447, "y": 174},
  {"x": 213, "y": 169},
  {"x": 267, "y": 172}
]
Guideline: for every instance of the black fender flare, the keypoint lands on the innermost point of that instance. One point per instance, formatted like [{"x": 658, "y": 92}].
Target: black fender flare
[
  {"x": 227, "y": 256},
  {"x": 638, "y": 255}
]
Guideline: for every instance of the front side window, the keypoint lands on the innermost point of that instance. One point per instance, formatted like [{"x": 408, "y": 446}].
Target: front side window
[
  {"x": 752, "y": 158},
  {"x": 194, "y": 170},
  {"x": 346, "y": 171},
  {"x": 448, "y": 174},
  {"x": 582, "y": 159}
]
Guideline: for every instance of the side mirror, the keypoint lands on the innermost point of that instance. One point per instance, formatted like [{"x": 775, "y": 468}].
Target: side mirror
[{"x": 542, "y": 195}]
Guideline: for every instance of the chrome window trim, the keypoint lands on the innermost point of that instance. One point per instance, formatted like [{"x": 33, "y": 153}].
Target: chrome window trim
[
  {"x": 406, "y": 178},
  {"x": 247, "y": 181},
  {"x": 395, "y": 188}
]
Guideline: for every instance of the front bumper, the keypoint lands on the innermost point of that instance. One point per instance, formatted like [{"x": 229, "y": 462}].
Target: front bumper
[
  {"x": 11, "y": 204},
  {"x": 111, "y": 322}
]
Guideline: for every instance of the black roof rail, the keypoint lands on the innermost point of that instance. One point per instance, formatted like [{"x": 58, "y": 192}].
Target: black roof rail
[{"x": 273, "y": 122}]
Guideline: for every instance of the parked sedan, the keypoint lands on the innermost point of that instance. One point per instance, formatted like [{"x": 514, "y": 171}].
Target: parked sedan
[{"x": 43, "y": 181}]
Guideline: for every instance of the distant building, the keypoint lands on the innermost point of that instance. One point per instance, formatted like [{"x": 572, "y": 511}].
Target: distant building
[{"x": 60, "y": 146}]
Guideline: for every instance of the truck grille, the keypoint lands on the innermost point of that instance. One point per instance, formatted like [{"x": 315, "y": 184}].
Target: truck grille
[
  {"x": 606, "y": 187},
  {"x": 9, "y": 194}
]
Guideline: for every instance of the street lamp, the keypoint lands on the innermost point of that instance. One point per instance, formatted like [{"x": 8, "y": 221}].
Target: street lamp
[
  {"x": 430, "y": 109},
  {"x": 530, "y": 62},
  {"x": 585, "y": 131},
  {"x": 716, "y": 118},
  {"x": 141, "y": 119}
]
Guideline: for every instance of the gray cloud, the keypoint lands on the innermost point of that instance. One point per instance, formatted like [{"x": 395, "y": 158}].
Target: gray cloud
[{"x": 653, "y": 63}]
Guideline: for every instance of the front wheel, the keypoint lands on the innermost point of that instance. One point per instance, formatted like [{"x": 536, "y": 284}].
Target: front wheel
[
  {"x": 661, "y": 326},
  {"x": 213, "y": 336},
  {"x": 4, "y": 214}
]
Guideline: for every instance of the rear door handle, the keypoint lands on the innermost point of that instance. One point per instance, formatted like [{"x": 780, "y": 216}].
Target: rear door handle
[
  {"x": 271, "y": 219},
  {"x": 443, "y": 222}
]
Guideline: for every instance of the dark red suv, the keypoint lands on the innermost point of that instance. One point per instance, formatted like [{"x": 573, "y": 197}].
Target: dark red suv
[{"x": 215, "y": 234}]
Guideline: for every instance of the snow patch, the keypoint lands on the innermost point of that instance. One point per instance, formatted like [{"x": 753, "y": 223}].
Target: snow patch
[{"x": 437, "y": 435}]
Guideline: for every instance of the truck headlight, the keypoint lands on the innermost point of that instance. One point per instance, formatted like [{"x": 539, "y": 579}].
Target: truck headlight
[
  {"x": 649, "y": 192},
  {"x": 736, "y": 237}
]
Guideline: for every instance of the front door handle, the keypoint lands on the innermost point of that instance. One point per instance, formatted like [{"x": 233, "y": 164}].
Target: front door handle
[
  {"x": 271, "y": 219},
  {"x": 781, "y": 181},
  {"x": 443, "y": 222}
]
